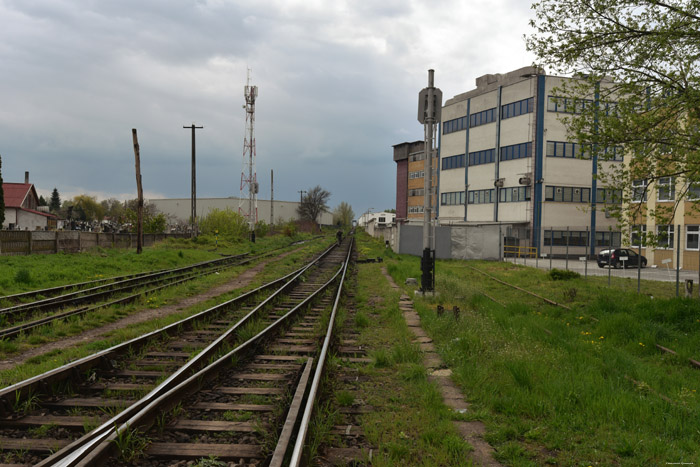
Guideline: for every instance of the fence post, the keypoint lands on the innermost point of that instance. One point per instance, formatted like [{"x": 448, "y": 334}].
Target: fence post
[
  {"x": 639, "y": 261},
  {"x": 610, "y": 248},
  {"x": 567, "y": 247},
  {"x": 585, "y": 254},
  {"x": 29, "y": 242},
  {"x": 551, "y": 242}
]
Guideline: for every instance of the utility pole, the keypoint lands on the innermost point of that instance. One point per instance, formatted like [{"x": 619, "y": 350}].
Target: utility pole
[
  {"x": 301, "y": 196},
  {"x": 193, "y": 215},
  {"x": 139, "y": 190},
  {"x": 429, "y": 113},
  {"x": 272, "y": 198}
]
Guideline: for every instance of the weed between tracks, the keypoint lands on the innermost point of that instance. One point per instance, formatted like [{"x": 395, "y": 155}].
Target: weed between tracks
[
  {"x": 77, "y": 325},
  {"x": 579, "y": 387}
]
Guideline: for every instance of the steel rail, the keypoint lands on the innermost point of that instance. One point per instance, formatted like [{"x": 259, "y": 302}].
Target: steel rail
[
  {"x": 79, "y": 448},
  {"x": 547, "y": 300},
  {"x": 79, "y": 295},
  {"x": 313, "y": 391},
  {"x": 171, "y": 281},
  {"x": 30, "y": 385}
]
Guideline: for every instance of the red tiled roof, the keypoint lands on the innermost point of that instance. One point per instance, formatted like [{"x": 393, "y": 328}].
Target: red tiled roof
[{"x": 15, "y": 193}]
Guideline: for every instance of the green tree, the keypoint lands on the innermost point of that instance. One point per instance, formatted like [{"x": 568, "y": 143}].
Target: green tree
[
  {"x": 638, "y": 87},
  {"x": 87, "y": 208},
  {"x": 113, "y": 208},
  {"x": 2, "y": 198},
  {"x": 343, "y": 215},
  {"x": 313, "y": 204},
  {"x": 55, "y": 201},
  {"x": 153, "y": 221},
  {"x": 227, "y": 222},
  {"x": 42, "y": 201}
]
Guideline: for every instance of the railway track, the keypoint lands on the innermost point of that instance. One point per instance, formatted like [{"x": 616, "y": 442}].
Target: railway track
[
  {"x": 69, "y": 300},
  {"x": 97, "y": 408}
]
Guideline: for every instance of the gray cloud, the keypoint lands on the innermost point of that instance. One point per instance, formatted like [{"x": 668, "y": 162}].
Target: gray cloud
[{"x": 338, "y": 86}]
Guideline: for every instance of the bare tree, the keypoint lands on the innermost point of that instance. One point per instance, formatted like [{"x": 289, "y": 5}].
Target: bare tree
[{"x": 313, "y": 204}]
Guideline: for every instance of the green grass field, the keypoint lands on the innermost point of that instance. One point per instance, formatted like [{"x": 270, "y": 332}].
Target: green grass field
[{"x": 584, "y": 386}]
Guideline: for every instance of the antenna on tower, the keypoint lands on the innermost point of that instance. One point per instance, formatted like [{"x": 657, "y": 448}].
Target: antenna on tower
[{"x": 248, "y": 203}]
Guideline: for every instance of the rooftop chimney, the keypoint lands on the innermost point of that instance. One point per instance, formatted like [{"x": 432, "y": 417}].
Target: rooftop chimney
[{"x": 26, "y": 177}]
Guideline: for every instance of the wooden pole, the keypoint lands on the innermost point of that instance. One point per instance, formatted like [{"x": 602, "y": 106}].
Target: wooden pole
[{"x": 139, "y": 188}]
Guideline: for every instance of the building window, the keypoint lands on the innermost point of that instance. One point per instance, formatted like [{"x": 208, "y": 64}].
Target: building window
[
  {"x": 456, "y": 124},
  {"x": 416, "y": 192},
  {"x": 415, "y": 209},
  {"x": 567, "y": 194},
  {"x": 514, "y": 109},
  {"x": 516, "y": 151},
  {"x": 664, "y": 235},
  {"x": 417, "y": 174},
  {"x": 452, "y": 199},
  {"x": 482, "y": 157},
  {"x": 453, "y": 162},
  {"x": 568, "y": 105},
  {"x": 416, "y": 157},
  {"x": 639, "y": 191},
  {"x": 608, "y": 196},
  {"x": 482, "y": 196},
  {"x": 605, "y": 238},
  {"x": 559, "y": 237},
  {"x": 666, "y": 189},
  {"x": 692, "y": 234},
  {"x": 482, "y": 118},
  {"x": 637, "y": 232},
  {"x": 693, "y": 193},
  {"x": 514, "y": 194}
]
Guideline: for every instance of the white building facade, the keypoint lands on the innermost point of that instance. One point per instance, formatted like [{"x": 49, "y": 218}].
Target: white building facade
[{"x": 505, "y": 158}]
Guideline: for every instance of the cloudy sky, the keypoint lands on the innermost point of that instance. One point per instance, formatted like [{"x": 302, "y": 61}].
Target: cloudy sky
[{"x": 338, "y": 83}]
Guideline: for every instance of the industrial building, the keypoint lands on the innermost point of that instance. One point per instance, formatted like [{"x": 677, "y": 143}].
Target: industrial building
[{"x": 179, "y": 209}]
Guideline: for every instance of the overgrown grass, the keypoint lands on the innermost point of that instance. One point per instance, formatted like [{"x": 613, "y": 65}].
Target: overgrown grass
[
  {"x": 75, "y": 325},
  {"x": 584, "y": 386}
]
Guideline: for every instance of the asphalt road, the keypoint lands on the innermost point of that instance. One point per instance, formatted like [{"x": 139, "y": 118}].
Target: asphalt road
[{"x": 591, "y": 268}]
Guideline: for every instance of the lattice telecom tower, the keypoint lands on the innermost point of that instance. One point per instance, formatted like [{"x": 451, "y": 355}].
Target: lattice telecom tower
[{"x": 248, "y": 204}]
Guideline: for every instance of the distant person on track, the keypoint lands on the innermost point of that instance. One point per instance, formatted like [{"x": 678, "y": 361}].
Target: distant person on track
[{"x": 339, "y": 236}]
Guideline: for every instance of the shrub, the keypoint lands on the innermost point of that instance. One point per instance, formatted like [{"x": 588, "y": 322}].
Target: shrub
[
  {"x": 23, "y": 276},
  {"x": 562, "y": 275},
  {"x": 289, "y": 229},
  {"x": 261, "y": 229}
]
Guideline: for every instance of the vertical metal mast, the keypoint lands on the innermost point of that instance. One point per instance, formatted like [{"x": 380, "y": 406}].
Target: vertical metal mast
[
  {"x": 429, "y": 114},
  {"x": 249, "y": 210}
]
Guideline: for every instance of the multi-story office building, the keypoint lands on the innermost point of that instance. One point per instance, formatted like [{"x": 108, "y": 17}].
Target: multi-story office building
[
  {"x": 506, "y": 158},
  {"x": 410, "y": 181}
]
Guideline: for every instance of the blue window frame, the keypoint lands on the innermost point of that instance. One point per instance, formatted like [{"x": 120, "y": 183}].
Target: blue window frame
[
  {"x": 481, "y": 196},
  {"x": 453, "y": 198},
  {"x": 516, "y": 151},
  {"x": 514, "y": 109},
  {"x": 482, "y": 118},
  {"x": 567, "y": 194},
  {"x": 457, "y": 124},
  {"x": 453, "y": 162},
  {"x": 482, "y": 157},
  {"x": 514, "y": 194}
]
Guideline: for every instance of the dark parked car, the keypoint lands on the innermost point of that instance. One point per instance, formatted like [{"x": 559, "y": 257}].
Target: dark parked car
[{"x": 620, "y": 257}]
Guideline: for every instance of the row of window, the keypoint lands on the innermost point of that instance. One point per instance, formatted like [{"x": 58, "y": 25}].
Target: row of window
[
  {"x": 453, "y": 162},
  {"x": 665, "y": 236},
  {"x": 415, "y": 209},
  {"x": 482, "y": 157},
  {"x": 481, "y": 196},
  {"x": 581, "y": 151},
  {"x": 487, "y": 116},
  {"x": 513, "y": 195},
  {"x": 417, "y": 174},
  {"x": 452, "y": 199},
  {"x": 453, "y": 125},
  {"x": 416, "y": 192},
  {"x": 416, "y": 157},
  {"x": 567, "y": 194},
  {"x": 574, "y": 105},
  {"x": 580, "y": 238},
  {"x": 482, "y": 118},
  {"x": 516, "y": 151},
  {"x": 514, "y": 109},
  {"x": 665, "y": 190}
]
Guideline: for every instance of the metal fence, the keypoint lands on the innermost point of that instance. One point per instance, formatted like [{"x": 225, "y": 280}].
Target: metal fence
[{"x": 27, "y": 242}]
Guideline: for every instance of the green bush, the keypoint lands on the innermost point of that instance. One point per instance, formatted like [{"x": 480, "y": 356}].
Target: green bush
[
  {"x": 289, "y": 229},
  {"x": 23, "y": 276},
  {"x": 562, "y": 275},
  {"x": 229, "y": 224},
  {"x": 261, "y": 229}
]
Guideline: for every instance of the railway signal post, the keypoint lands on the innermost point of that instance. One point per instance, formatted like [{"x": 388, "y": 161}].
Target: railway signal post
[{"x": 429, "y": 113}]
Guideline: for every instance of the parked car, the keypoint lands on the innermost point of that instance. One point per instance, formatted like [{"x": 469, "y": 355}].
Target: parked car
[{"x": 620, "y": 257}]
